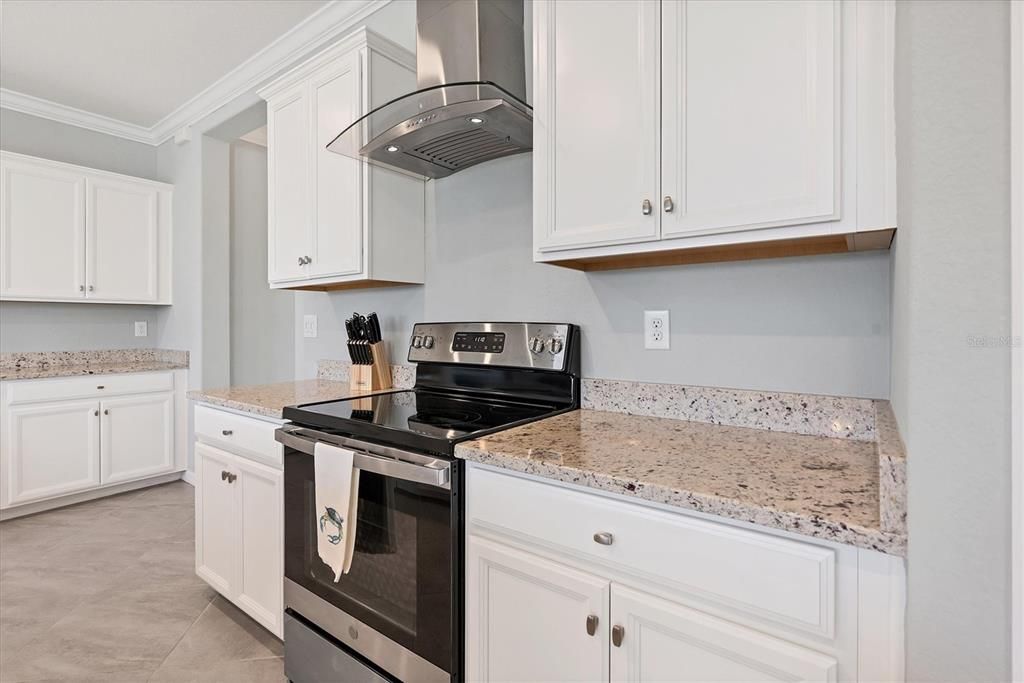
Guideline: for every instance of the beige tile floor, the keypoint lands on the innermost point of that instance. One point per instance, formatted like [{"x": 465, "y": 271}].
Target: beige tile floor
[{"x": 107, "y": 591}]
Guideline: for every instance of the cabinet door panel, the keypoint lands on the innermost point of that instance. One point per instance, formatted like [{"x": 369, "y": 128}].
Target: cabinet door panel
[
  {"x": 596, "y": 122},
  {"x": 217, "y": 541},
  {"x": 527, "y": 618},
  {"x": 137, "y": 437},
  {"x": 42, "y": 232},
  {"x": 750, "y": 114},
  {"x": 665, "y": 641},
  {"x": 122, "y": 229},
  {"x": 51, "y": 449},
  {"x": 259, "y": 495},
  {"x": 338, "y": 191},
  {"x": 289, "y": 195}
]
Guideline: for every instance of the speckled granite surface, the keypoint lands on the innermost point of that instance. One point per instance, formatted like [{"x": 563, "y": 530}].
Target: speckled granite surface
[
  {"x": 822, "y": 487},
  {"x": 831, "y": 416},
  {"x": 269, "y": 400},
  {"x": 402, "y": 376},
  {"x": 42, "y": 364},
  {"x": 892, "y": 470}
]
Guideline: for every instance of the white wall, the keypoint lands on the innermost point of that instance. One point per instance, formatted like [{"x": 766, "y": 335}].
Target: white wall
[
  {"x": 951, "y": 288},
  {"x": 262, "y": 343},
  {"x": 817, "y": 325},
  {"x": 68, "y": 327}
]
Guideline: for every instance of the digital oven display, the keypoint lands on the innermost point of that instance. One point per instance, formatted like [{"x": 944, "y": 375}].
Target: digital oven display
[{"x": 480, "y": 342}]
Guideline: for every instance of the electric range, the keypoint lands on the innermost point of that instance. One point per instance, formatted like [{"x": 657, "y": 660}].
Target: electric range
[{"x": 397, "y": 614}]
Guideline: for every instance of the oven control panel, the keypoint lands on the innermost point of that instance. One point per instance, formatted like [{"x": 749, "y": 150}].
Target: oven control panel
[{"x": 542, "y": 346}]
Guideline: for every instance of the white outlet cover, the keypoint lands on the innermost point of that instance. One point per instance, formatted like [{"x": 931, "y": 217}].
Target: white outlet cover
[
  {"x": 309, "y": 326},
  {"x": 141, "y": 328},
  {"x": 656, "y": 330}
]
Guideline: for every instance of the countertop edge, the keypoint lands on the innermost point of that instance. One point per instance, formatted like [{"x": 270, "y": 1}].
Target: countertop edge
[
  {"x": 55, "y": 371},
  {"x": 805, "y": 525},
  {"x": 251, "y": 408}
]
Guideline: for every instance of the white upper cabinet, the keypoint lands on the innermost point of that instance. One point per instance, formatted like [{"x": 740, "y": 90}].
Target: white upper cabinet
[
  {"x": 334, "y": 221},
  {"x": 69, "y": 233},
  {"x": 750, "y": 114},
  {"x": 666, "y": 126},
  {"x": 42, "y": 241},
  {"x": 596, "y": 144}
]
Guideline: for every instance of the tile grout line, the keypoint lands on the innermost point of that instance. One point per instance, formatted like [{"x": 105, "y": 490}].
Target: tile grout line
[{"x": 181, "y": 637}]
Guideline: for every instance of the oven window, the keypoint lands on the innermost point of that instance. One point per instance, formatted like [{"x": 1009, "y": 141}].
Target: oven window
[{"x": 400, "y": 582}]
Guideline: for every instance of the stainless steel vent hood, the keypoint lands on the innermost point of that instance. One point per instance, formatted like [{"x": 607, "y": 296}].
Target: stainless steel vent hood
[{"x": 470, "y": 103}]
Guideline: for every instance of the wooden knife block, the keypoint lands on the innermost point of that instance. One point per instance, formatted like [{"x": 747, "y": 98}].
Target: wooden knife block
[{"x": 376, "y": 377}]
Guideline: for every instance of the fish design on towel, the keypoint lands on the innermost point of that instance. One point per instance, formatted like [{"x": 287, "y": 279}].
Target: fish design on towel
[{"x": 331, "y": 515}]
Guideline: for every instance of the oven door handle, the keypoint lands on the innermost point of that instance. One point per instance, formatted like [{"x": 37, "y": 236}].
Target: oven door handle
[{"x": 387, "y": 462}]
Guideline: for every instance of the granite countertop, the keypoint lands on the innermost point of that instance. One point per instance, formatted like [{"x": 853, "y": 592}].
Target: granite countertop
[
  {"x": 40, "y": 365},
  {"x": 812, "y": 485},
  {"x": 269, "y": 400}
]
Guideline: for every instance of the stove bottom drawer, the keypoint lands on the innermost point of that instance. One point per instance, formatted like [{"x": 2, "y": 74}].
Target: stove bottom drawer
[{"x": 310, "y": 657}]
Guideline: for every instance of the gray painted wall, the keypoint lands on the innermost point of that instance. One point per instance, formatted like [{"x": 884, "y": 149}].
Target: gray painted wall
[
  {"x": 66, "y": 327},
  {"x": 817, "y": 325},
  {"x": 951, "y": 283},
  {"x": 262, "y": 344}
]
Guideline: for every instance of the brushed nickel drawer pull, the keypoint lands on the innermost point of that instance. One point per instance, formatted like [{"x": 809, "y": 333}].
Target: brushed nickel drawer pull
[
  {"x": 617, "y": 633},
  {"x": 227, "y": 432},
  {"x": 645, "y": 208},
  {"x": 591, "y": 624},
  {"x": 604, "y": 538}
]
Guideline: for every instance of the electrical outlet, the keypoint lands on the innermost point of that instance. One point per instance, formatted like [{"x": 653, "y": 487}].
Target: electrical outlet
[
  {"x": 141, "y": 328},
  {"x": 309, "y": 326},
  {"x": 656, "y": 330}
]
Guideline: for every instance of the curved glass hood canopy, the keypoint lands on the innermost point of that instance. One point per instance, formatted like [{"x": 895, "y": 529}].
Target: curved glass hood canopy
[
  {"x": 470, "y": 105},
  {"x": 439, "y": 130}
]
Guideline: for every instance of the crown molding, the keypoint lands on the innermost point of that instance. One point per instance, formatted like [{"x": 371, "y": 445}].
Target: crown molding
[
  {"x": 317, "y": 30},
  {"x": 27, "y": 104}
]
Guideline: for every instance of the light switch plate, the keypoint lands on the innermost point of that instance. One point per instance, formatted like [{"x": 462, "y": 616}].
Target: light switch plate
[
  {"x": 656, "y": 330},
  {"x": 141, "y": 328},
  {"x": 309, "y": 326}
]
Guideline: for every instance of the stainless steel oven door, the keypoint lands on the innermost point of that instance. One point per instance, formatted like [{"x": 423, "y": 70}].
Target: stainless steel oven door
[{"x": 396, "y": 606}]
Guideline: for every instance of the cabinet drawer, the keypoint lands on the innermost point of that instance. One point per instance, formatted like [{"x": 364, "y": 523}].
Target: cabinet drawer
[
  {"x": 771, "y": 578},
  {"x": 93, "y": 386},
  {"x": 239, "y": 434}
]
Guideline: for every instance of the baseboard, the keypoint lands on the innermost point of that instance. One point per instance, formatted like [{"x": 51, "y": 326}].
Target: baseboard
[
  {"x": 84, "y": 496},
  {"x": 189, "y": 477}
]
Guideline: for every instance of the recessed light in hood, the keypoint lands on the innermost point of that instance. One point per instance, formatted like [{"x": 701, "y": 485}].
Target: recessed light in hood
[{"x": 470, "y": 104}]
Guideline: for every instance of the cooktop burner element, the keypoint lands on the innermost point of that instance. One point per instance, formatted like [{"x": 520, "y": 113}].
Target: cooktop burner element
[{"x": 471, "y": 379}]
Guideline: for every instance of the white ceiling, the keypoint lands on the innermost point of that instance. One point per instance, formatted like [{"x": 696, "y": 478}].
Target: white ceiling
[{"x": 134, "y": 60}]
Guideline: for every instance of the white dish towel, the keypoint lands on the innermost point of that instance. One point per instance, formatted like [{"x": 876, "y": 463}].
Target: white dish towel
[{"x": 337, "y": 499}]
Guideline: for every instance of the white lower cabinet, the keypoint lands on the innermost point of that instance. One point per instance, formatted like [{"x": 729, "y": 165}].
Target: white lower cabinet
[
  {"x": 240, "y": 515},
  {"x": 579, "y": 585},
  {"x": 64, "y": 440},
  {"x": 530, "y": 619},
  {"x": 52, "y": 448},
  {"x": 654, "y": 639},
  {"x": 139, "y": 433}
]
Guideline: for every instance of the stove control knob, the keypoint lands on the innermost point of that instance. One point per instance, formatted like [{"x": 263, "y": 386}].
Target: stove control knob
[
  {"x": 555, "y": 346},
  {"x": 536, "y": 345},
  {"x": 417, "y": 341},
  {"x": 428, "y": 342}
]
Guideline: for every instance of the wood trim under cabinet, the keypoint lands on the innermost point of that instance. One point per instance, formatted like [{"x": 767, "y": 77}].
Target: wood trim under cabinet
[
  {"x": 801, "y": 246},
  {"x": 354, "y": 284}
]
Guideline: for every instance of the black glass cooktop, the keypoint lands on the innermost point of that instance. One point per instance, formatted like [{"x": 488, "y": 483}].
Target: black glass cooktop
[{"x": 417, "y": 418}]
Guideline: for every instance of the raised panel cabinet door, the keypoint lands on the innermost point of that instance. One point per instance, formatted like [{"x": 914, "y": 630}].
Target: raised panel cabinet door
[
  {"x": 51, "y": 449},
  {"x": 654, "y": 639},
  {"x": 289, "y": 196},
  {"x": 750, "y": 120},
  {"x": 531, "y": 619},
  {"x": 218, "y": 545},
  {"x": 137, "y": 436},
  {"x": 335, "y": 94},
  {"x": 42, "y": 231},
  {"x": 260, "y": 589},
  {"x": 123, "y": 240},
  {"x": 597, "y": 82}
]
